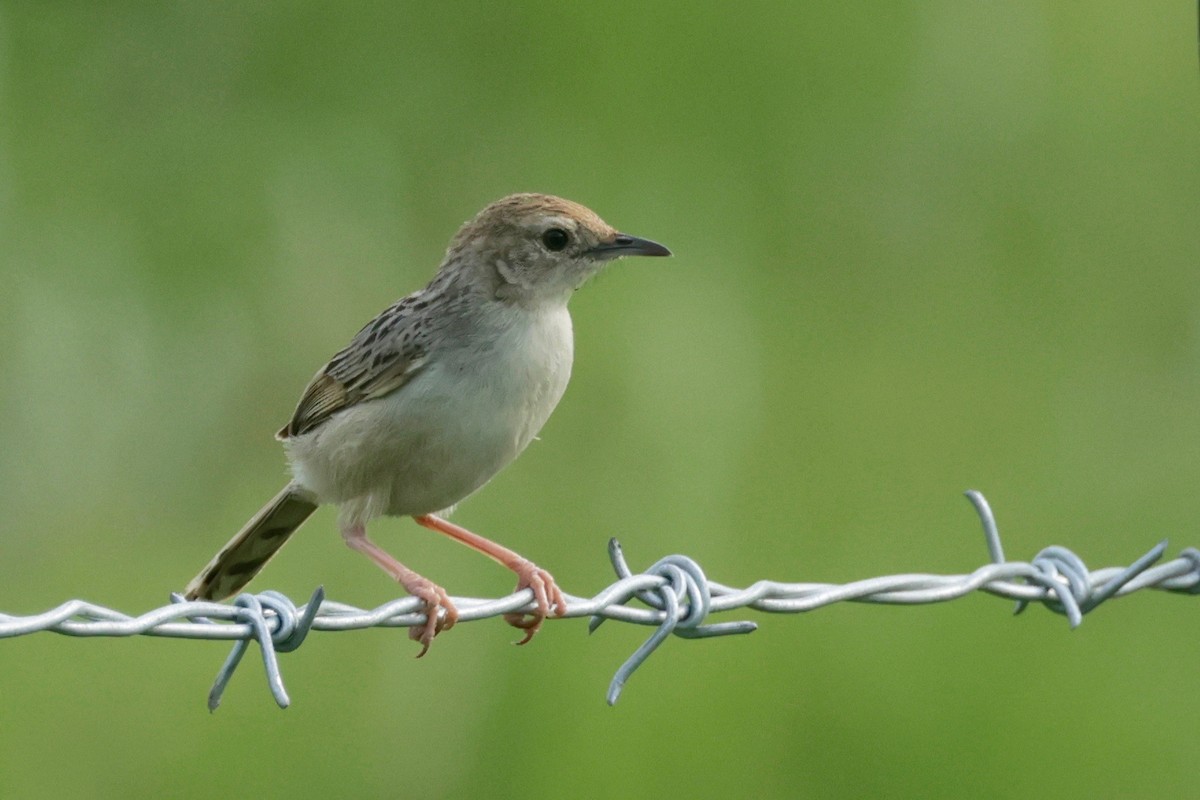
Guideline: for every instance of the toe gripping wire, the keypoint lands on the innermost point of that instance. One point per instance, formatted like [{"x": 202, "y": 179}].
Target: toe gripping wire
[{"x": 675, "y": 597}]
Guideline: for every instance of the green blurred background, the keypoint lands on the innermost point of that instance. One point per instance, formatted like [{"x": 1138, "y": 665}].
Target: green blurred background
[{"x": 919, "y": 248}]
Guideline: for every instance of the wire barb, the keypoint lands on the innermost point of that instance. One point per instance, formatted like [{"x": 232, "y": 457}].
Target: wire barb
[
  {"x": 677, "y": 596},
  {"x": 281, "y": 632},
  {"x": 681, "y": 578}
]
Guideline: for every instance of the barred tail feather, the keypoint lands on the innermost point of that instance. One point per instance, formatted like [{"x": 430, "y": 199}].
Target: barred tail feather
[{"x": 253, "y": 547}]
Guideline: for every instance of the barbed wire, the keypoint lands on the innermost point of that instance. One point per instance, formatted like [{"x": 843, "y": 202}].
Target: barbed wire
[{"x": 677, "y": 596}]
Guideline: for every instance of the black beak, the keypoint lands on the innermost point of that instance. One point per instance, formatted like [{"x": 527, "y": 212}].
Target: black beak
[{"x": 625, "y": 245}]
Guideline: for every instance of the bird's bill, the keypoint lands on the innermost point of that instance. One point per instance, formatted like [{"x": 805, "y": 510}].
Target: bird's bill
[{"x": 625, "y": 245}]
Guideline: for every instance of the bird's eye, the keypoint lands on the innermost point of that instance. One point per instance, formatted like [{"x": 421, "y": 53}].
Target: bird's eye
[{"x": 555, "y": 239}]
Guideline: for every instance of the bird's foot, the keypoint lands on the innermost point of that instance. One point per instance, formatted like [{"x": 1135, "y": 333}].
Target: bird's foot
[
  {"x": 546, "y": 596},
  {"x": 440, "y": 613}
]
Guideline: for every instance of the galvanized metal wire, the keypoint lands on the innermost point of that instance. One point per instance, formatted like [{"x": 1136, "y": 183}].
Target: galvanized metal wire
[{"x": 676, "y": 596}]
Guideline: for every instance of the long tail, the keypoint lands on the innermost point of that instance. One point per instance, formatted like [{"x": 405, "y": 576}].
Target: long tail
[{"x": 255, "y": 544}]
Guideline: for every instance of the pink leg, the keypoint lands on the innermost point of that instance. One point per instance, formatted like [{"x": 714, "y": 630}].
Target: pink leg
[
  {"x": 529, "y": 575},
  {"x": 435, "y": 597}
]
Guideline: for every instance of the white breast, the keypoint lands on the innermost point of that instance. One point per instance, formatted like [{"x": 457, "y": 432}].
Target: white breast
[{"x": 471, "y": 409}]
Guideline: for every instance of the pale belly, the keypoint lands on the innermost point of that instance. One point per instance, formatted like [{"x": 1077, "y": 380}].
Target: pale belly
[{"x": 445, "y": 433}]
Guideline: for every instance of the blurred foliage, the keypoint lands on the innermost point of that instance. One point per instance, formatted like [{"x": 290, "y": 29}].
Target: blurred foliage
[{"x": 919, "y": 249}]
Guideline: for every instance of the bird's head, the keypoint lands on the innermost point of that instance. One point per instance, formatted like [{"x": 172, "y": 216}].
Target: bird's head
[{"x": 537, "y": 247}]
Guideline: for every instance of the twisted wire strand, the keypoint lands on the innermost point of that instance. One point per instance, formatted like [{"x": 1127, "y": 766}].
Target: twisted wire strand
[{"x": 677, "y": 596}]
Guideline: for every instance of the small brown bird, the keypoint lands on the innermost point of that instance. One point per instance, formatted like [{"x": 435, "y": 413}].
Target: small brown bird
[{"x": 436, "y": 395}]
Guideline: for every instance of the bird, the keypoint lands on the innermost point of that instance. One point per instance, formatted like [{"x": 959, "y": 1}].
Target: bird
[{"x": 434, "y": 396}]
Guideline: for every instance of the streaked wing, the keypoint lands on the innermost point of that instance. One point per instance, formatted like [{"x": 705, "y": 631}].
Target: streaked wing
[{"x": 381, "y": 358}]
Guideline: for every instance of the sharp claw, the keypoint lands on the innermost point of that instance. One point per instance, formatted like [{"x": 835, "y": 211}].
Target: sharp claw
[
  {"x": 440, "y": 615},
  {"x": 546, "y": 595},
  {"x": 530, "y": 623}
]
